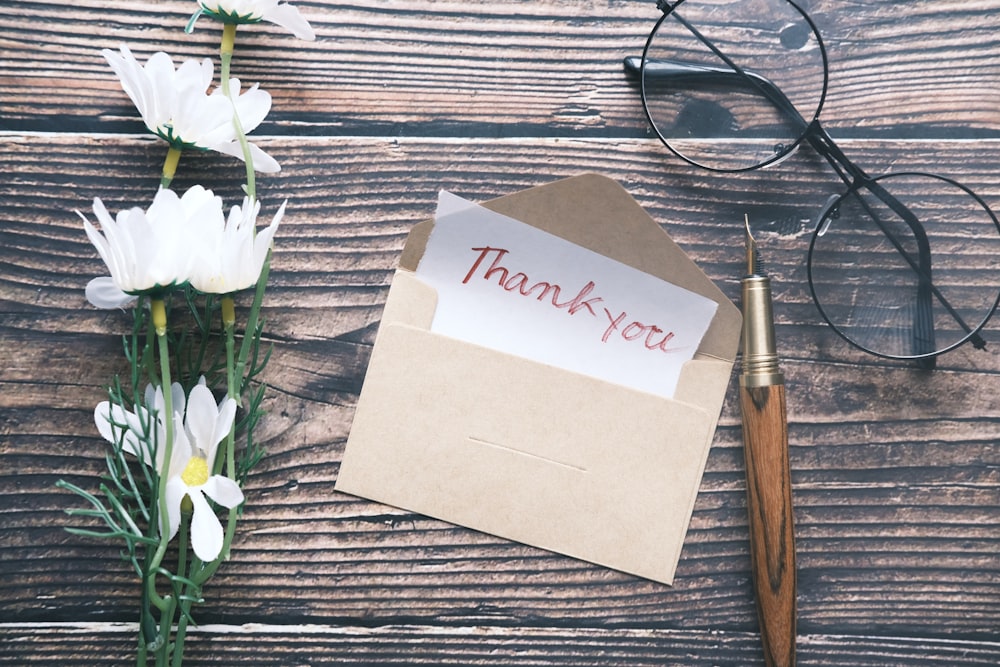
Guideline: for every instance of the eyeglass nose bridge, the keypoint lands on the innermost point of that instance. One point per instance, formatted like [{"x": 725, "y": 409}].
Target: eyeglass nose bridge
[
  {"x": 849, "y": 172},
  {"x": 823, "y": 219}
]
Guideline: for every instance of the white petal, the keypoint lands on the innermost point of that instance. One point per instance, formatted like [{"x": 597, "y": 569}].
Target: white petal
[
  {"x": 197, "y": 197},
  {"x": 263, "y": 241},
  {"x": 262, "y": 162},
  {"x": 204, "y": 119},
  {"x": 133, "y": 79},
  {"x": 165, "y": 91},
  {"x": 102, "y": 245},
  {"x": 176, "y": 490},
  {"x": 206, "y": 531},
  {"x": 252, "y": 106},
  {"x": 181, "y": 452},
  {"x": 224, "y": 420},
  {"x": 201, "y": 415},
  {"x": 194, "y": 76},
  {"x": 224, "y": 491},
  {"x": 166, "y": 241},
  {"x": 104, "y": 293},
  {"x": 177, "y": 398},
  {"x": 288, "y": 17},
  {"x": 143, "y": 249},
  {"x": 118, "y": 425},
  {"x": 102, "y": 418},
  {"x": 155, "y": 401},
  {"x": 132, "y": 253}
]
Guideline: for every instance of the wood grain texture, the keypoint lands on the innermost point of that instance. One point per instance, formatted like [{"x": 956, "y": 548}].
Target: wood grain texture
[{"x": 895, "y": 471}]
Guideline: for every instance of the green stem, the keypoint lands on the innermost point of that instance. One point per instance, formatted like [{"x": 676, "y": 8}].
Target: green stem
[
  {"x": 159, "y": 317},
  {"x": 233, "y": 383},
  {"x": 234, "y": 389},
  {"x": 147, "y": 628},
  {"x": 182, "y": 622},
  {"x": 253, "y": 317},
  {"x": 226, "y": 56},
  {"x": 182, "y": 543},
  {"x": 166, "y": 625}
]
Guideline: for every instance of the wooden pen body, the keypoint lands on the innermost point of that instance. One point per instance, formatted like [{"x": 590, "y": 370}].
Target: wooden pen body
[{"x": 769, "y": 503}]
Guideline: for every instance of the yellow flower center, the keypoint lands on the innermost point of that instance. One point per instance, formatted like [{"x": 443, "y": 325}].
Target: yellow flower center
[{"x": 195, "y": 472}]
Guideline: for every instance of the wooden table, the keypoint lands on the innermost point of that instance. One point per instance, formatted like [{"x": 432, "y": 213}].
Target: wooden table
[{"x": 896, "y": 471}]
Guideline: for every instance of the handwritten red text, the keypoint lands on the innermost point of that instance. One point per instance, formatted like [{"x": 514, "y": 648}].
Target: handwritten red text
[
  {"x": 652, "y": 336},
  {"x": 519, "y": 282}
]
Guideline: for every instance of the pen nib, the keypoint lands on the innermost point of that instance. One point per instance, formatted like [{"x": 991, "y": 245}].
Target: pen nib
[{"x": 754, "y": 265}]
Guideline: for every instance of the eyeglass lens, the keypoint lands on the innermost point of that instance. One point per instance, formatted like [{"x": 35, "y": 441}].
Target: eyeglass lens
[
  {"x": 865, "y": 265},
  {"x": 700, "y": 102}
]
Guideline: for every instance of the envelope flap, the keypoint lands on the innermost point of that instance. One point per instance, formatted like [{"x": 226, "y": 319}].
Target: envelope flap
[{"x": 596, "y": 213}]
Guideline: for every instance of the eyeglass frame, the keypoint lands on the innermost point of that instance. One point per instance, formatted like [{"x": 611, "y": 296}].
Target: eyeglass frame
[{"x": 850, "y": 173}]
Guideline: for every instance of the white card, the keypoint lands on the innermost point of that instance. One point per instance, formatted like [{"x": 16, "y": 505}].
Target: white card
[{"x": 510, "y": 287}]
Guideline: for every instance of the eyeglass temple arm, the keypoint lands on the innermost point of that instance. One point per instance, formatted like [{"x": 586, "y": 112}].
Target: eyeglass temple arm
[
  {"x": 677, "y": 70},
  {"x": 923, "y": 319},
  {"x": 854, "y": 177},
  {"x": 680, "y": 71}
]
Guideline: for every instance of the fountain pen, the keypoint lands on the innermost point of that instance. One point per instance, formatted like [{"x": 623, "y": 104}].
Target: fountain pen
[{"x": 769, "y": 489}]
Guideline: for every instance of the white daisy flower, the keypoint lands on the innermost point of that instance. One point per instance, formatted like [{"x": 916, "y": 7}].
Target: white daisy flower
[
  {"x": 148, "y": 252},
  {"x": 189, "y": 476},
  {"x": 232, "y": 252},
  {"x": 196, "y": 440},
  {"x": 175, "y": 104}
]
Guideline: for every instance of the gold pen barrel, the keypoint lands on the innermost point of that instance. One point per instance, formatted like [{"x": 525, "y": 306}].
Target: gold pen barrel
[{"x": 760, "y": 356}]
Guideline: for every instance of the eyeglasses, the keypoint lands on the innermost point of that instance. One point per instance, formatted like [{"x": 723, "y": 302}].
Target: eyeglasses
[{"x": 724, "y": 85}]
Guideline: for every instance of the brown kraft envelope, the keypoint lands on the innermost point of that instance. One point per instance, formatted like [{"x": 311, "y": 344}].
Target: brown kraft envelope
[{"x": 530, "y": 452}]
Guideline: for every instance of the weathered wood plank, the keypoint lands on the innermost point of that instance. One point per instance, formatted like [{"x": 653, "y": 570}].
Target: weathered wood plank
[
  {"x": 109, "y": 645},
  {"x": 351, "y": 203},
  {"x": 546, "y": 68}
]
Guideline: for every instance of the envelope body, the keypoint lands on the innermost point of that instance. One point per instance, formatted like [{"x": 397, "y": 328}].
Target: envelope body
[{"x": 527, "y": 451}]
